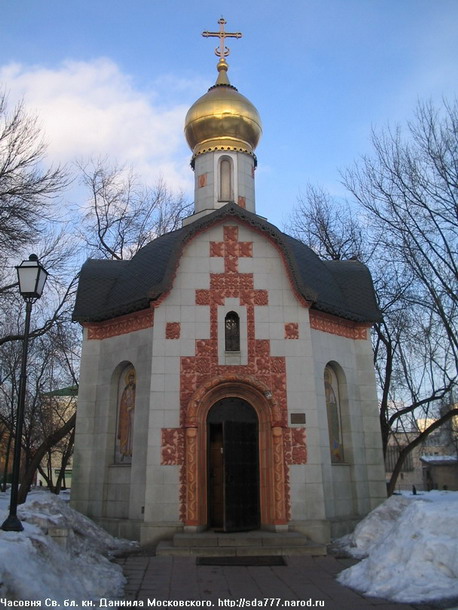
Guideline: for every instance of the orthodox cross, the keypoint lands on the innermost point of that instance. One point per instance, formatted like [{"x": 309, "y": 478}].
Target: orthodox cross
[{"x": 222, "y": 51}]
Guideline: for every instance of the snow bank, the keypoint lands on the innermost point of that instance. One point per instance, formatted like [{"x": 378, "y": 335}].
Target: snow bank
[
  {"x": 411, "y": 549},
  {"x": 33, "y": 566}
]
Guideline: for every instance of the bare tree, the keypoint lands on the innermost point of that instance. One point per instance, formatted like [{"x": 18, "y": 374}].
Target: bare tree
[
  {"x": 26, "y": 189},
  {"x": 409, "y": 188},
  {"x": 29, "y": 222},
  {"x": 330, "y": 230},
  {"x": 122, "y": 215},
  {"x": 10, "y": 360},
  {"x": 52, "y": 366},
  {"x": 407, "y": 193},
  {"x": 28, "y": 215}
]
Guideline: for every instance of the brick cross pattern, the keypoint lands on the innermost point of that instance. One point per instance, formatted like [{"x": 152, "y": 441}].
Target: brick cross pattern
[
  {"x": 231, "y": 249},
  {"x": 179, "y": 445}
]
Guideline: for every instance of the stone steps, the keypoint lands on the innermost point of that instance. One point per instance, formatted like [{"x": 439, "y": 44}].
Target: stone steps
[{"x": 256, "y": 543}]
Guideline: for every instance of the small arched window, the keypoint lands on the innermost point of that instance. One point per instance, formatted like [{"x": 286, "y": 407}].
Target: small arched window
[
  {"x": 331, "y": 389},
  {"x": 232, "y": 332},
  {"x": 225, "y": 180}
]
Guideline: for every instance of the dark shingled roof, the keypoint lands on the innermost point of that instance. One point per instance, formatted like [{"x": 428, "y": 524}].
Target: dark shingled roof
[{"x": 108, "y": 289}]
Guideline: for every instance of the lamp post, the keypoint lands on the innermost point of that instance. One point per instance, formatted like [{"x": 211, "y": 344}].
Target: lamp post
[{"x": 32, "y": 277}]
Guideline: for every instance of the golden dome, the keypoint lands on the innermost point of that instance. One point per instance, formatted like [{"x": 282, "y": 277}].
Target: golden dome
[{"x": 222, "y": 119}]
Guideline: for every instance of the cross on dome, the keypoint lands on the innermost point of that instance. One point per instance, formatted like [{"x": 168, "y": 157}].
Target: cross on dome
[{"x": 222, "y": 51}]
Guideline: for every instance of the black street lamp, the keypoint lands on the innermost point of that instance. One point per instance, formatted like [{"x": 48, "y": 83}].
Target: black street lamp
[{"x": 32, "y": 278}]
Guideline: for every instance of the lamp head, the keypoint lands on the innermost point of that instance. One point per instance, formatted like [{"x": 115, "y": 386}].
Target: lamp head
[{"x": 32, "y": 278}]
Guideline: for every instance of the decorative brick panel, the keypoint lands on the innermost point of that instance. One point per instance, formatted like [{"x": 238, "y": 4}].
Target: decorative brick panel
[
  {"x": 190, "y": 474},
  {"x": 198, "y": 369},
  {"x": 295, "y": 446},
  {"x": 231, "y": 249},
  {"x": 172, "y": 330},
  {"x": 281, "y": 478},
  {"x": 264, "y": 370},
  {"x": 336, "y": 326},
  {"x": 172, "y": 446},
  {"x": 292, "y": 330},
  {"x": 120, "y": 326}
]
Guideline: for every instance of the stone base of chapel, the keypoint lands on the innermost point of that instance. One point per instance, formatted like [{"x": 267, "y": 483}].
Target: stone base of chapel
[
  {"x": 120, "y": 528},
  {"x": 319, "y": 531},
  {"x": 241, "y": 544}
]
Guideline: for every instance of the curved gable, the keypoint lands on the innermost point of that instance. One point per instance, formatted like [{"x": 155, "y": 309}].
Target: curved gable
[{"x": 108, "y": 289}]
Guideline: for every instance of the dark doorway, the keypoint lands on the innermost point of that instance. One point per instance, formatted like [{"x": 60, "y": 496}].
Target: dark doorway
[{"x": 233, "y": 466}]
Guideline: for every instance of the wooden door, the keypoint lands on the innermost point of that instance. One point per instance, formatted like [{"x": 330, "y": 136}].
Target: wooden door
[
  {"x": 216, "y": 476},
  {"x": 233, "y": 466},
  {"x": 241, "y": 476}
]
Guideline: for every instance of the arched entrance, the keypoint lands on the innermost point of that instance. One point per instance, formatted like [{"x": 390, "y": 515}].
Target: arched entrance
[
  {"x": 273, "y": 483},
  {"x": 233, "y": 466}
]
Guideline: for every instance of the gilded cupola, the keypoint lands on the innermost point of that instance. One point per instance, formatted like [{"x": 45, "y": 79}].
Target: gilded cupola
[{"x": 222, "y": 119}]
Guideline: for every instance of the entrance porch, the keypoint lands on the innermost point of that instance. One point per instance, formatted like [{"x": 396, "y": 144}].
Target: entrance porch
[{"x": 248, "y": 544}]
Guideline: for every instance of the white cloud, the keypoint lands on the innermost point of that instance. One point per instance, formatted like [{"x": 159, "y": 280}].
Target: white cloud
[{"x": 91, "y": 109}]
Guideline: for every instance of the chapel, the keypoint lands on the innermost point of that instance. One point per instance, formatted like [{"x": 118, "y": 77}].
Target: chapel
[{"x": 227, "y": 379}]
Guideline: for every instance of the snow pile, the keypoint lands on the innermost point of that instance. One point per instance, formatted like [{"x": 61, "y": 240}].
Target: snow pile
[
  {"x": 34, "y": 566},
  {"x": 411, "y": 549}
]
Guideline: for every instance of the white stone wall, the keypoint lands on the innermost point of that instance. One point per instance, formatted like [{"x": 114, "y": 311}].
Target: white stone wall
[
  {"x": 103, "y": 489},
  {"x": 206, "y": 193},
  {"x": 357, "y": 485}
]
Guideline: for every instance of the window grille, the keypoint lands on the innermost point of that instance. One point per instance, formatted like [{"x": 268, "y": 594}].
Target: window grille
[{"x": 232, "y": 332}]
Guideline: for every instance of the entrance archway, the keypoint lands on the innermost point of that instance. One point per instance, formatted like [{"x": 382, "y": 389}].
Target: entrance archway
[
  {"x": 233, "y": 466},
  {"x": 273, "y": 475}
]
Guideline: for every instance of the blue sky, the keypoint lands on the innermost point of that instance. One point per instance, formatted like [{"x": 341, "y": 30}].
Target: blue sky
[{"x": 109, "y": 77}]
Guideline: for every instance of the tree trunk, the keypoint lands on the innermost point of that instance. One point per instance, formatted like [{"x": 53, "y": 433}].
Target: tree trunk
[
  {"x": 65, "y": 459},
  {"x": 7, "y": 461},
  {"x": 45, "y": 475},
  {"x": 39, "y": 454}
]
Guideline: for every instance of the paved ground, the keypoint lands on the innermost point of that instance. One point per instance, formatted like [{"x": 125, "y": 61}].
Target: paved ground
[{"x": 311, "y": 579}]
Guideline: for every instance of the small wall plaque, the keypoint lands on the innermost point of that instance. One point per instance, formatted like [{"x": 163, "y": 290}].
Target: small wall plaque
[{"x": 298, "y": 418}]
